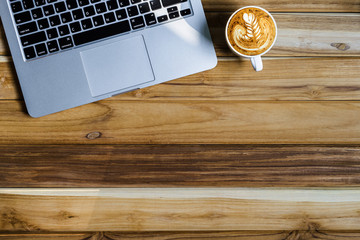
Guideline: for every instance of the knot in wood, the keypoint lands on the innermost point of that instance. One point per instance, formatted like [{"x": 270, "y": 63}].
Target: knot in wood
[
  {"x": 93, "y": 135},
  {"x": 341, "y": 46}
]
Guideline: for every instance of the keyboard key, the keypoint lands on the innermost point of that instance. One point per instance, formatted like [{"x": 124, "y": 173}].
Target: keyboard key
[
  {"x": 22, "y": 17},
  {"x": 60, "y": 7},
  {"x": 43, "y": 23},
  {"x": 37, "y": 13},
  {"x": 51, "y": 1},
  {"x": 48, "y": 10},
  {"x": 86, "y": 24},
  {"x": 89, "y": 11},
  {"x": 137, "y": 22},
  {"x": 98, "y": 21},
  {"x": 94, "y": 1},
  {"x": 150, "y": 19},
  {"x": 75, "y": 27},
  {"x": 100, "y": 33},
  {"x": 41, "y": 49},
  {"x": 162, "y": 18},
  {"x": 135, "y": 1},
  {"x": 40, "y": 2},
  {"x": 174, "y": 15},
  {"x": 83, "y": 2},
  {"x": 65, "y": 43},
  {"x": 185, "y": 12},
  {"x": 110, "y": 17},
  {"x": 54, "y": 21},
  {"x": 66, "y": 17},
  {"x": 78, "y": 14},
  {"x": 172, "y": 9},
  {"x": 28, "y": 4},
  {"x": 167, "y": 3},
  {"x": 132, "y": 11},
  {"x": 155, "y": 4},
  {"x": 100, "y": 8},
  {"x": 112, "y": 5},
  {"x": 52, "y": 46},
  {"x": 27, "y": 28},
  {"x": 124, "y": 3},
  {"x": 71, "y": 4},
  {"x": 121, "y": 14},
  {"x": 52, "y": 33},
  {"x": 16, "y": 7},
  {"x": 33, "y": 38},
  {"x": 29, "y": 52},
  {"x": 63, "y": 30},
  {"x": 144, "y": 7}
]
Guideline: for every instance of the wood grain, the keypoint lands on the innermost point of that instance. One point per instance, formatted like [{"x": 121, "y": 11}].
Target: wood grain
[
  {"x": 233, "y": 79},
  {"x": 303, "y": 34},
  {"x": 285, "y": 6},
  {"x": 229, "y": 235},
  {"x": 179, "y": 166},
  {"x": 9, "y": 86},
  {"x": 191, "y": 122},
  {"x": 179, "y": 209},
  {"x": 4, "y": 48}
]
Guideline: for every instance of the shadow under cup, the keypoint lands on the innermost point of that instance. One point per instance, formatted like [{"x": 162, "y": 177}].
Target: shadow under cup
[{"x": 251, "y": 32}]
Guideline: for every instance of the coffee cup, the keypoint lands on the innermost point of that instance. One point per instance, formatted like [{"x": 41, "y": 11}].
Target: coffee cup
[{"x": 251, "y": 32}]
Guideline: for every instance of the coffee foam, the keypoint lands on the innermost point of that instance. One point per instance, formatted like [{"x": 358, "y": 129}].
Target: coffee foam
[{"x": 251, "y": 31}]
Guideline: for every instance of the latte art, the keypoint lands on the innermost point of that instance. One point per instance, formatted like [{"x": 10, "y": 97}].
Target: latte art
[{"x": 251, "y": 31}]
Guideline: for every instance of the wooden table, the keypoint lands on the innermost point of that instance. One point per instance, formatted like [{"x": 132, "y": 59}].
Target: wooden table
[{"x": 224, "y": 154}]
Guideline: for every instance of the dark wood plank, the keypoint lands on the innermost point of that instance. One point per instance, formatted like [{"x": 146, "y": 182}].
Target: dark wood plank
[
  {"x": 228, "y": 235},
  {"x": 179, "y": 165},
  {"x": 313, "y": 79},
  {"x": 4, "y": 48}
]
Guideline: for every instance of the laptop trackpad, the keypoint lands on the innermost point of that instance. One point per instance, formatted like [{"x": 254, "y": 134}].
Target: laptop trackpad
[{"x": 117, "y": 66}]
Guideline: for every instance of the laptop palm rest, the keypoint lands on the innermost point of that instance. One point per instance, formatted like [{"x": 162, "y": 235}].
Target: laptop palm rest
[{"x": 117, "y": 66}]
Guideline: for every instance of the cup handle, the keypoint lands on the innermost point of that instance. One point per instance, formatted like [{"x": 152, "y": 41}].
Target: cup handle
[{"x": 257, "y": 63}]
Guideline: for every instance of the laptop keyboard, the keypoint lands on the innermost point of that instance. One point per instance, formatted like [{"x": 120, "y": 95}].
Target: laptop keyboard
[{"x": 51, "y": 26}]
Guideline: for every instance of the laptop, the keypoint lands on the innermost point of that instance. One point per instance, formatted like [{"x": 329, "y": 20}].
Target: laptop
[{"x": 72, "y": 52}]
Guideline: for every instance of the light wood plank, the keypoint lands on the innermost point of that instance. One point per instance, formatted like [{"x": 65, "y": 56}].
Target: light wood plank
[
  {"x": 229, "y": 235},
  {"x": 9, "y": 85},
  {"x": 303, "y": 34},
  {"x": 285, "y": 6},
  {"x": 176, "y": 209},
  {"x": 234, "y": 79},
  {"x": 178, "y": 165},
  {"x": 191, "y": 122}
]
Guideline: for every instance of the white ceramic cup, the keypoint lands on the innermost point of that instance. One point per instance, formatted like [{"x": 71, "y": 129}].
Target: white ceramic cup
[{"x": 255, "y": 59}]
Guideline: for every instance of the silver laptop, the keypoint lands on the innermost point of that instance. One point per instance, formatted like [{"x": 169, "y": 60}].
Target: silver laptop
[{"x": 73, "y": 52}]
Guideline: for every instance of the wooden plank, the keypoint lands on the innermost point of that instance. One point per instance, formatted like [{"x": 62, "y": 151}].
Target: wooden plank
[
  {"x": 4, "y": 48},
  {"x": 285, "y": 6},
  {"x": 303, "y": 34},
  {"x": 229, "y": 235},
  {"x": 234, "y": 79},
  {"x": 190, "y": 122},
  {"x": 178, "y": 165},
  {"x": 9, "y": 85},
  {"x": 178, "y": 209}
]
